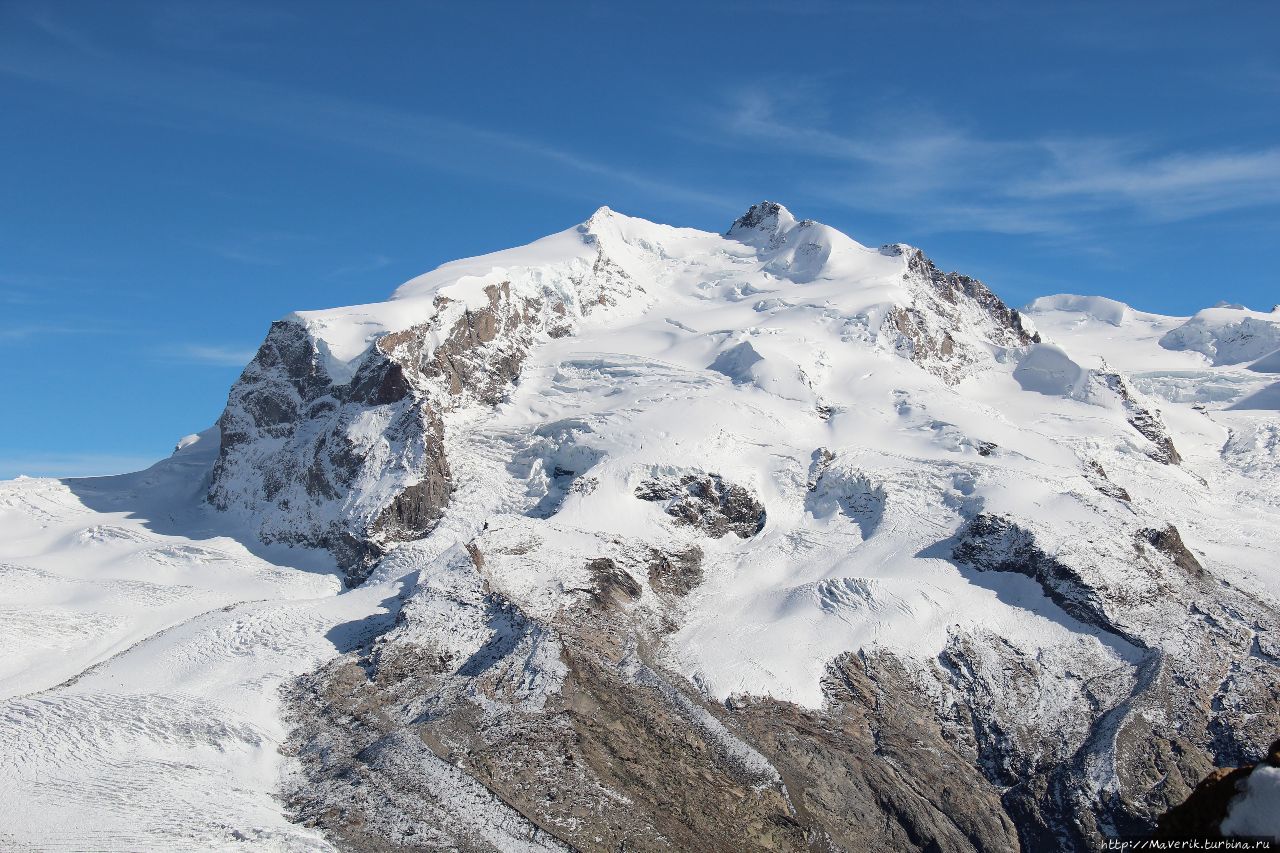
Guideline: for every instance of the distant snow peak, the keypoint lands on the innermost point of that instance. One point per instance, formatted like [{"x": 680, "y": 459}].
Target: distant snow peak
[
  {"x": 763, "y": 225},
  {"x": 1097, "y": 308},
  {"x": 590, "y": 228},
  {"x": 1227, "y": 334}
]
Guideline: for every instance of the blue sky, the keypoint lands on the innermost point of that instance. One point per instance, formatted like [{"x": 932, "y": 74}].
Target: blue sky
[{"x": 178, "y": 174}]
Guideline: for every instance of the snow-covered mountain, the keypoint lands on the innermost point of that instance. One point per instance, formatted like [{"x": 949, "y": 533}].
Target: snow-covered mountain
[{"x": 649, "y": 538}]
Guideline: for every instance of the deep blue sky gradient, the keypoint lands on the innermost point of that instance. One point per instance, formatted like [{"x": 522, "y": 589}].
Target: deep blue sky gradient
[{"x": 178, "y": 174}]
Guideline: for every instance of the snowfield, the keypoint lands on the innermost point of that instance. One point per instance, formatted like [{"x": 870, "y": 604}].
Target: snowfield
[
  {"x": 142, "y": 666},
  {"x": 877, "y": 412}
]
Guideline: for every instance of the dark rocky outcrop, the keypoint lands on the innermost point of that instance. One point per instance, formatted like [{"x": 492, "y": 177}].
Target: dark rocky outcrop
[
  {"x": 1168, "y": 541},
  {"x": 675, "y": 574},
  {"x": 763, "y": 225},
  {"x": 1146, "y": 421},
  {"x": 953, "y": 287},
  {"x": 625, "y": 755},
  {"x": 1099, "y": 480},
  {"x": 950, "y": 313},
  {"x": 611, "y": 587},
  {"x": 997, "y": 544},
  {"x": 1201, "y": 814},
  {"x": 707, "y": 502},
  {"x": 292, "y": 450}
]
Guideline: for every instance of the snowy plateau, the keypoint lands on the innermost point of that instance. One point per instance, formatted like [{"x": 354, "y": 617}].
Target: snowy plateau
[{"x": 646, "y": 538}]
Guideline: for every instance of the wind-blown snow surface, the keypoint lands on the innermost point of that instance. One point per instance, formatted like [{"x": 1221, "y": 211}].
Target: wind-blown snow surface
[
  {"x": 143, "y": 645},
  {"x": 872, "y": 416}
]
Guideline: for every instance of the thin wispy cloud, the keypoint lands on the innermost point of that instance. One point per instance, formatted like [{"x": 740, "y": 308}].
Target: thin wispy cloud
[
  {"x": 217, "y": 355},
  {"x": 17, "y": 333},
  {"x": 266, "y": 248},
  {"x": 13, "y": 291},
  {"x": 11, "y": 334},
  {"x": 28, "y": 289},
  {"x": 240, "y": 105},
  {"x": 43, "y": 19},
  {"x": 226, "y": 25},
  {"x": 242, "y": 255},
  {"x": 965, "y": 181},
  {"x": 372, "y": 264},
  {"x": 1179, "y": 185}
]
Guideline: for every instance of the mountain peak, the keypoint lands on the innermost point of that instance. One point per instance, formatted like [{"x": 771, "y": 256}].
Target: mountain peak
[
  {"x": 818, "y": 483},
  {"x": 763, "y": 223},
  {"x": 592, "y": 224},
  {"x": 602, "y": 213}
]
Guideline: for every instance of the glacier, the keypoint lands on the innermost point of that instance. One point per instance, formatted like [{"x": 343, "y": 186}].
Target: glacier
[{"x": 648, "y": 536}]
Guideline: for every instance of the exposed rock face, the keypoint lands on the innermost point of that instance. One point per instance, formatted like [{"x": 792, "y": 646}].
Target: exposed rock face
[
  {"x": 302, "y": 449},
  {"x": 953, "y": 287},
  {"x": 675, "y": 574},
  {"x": 1169, "y": 542},
  {"x": 1143, "y": 419},
  {"x": 945, "y": 302},
  {"x": 355, "y": 467},
  {"x": 601, "y": 749},
  {"x": 765, "y": 223},
  {"x": 1205, "y": 813},
  {"x": 1171, "y": 717},
  {"x": 707, "y": 502},
  {"x": 612, "y": 587},
  {"x": 557, "y": 677},
  {"x": 992, "y": 543},
  {"x": 1099, "y": 480}
]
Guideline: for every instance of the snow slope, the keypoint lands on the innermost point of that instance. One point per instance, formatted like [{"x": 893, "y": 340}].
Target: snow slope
[
  {"x": 139, "y": 709},
  {"x": 879, "y": 413}
]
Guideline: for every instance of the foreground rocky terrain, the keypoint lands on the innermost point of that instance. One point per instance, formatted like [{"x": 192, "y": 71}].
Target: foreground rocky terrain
[
  {"x": 1231, "y": 802},
  {"x": 644, "y": 538}
]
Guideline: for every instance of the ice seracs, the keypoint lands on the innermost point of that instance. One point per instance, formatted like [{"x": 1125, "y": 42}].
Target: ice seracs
[{"x": 1227, "y": 334}]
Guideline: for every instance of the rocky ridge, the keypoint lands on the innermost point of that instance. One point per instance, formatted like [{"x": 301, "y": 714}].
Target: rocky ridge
[
  {"x": 542, "y": 663},
  {"x": 357, "y": 466},
  {"x": 652, "y": 538}
]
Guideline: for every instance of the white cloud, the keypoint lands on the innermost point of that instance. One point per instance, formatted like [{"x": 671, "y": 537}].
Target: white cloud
[
  {"x": 17, "y": 333},
  {"x": 214, "y": 354},
  {"x": 946, "y": 177},
  {"x": 1181, "y": 185},
  {"x": 371, "y": 264}
]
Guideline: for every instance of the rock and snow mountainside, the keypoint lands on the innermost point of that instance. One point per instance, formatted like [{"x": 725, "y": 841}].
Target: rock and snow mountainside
[{"x": 647, "y": 538}]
